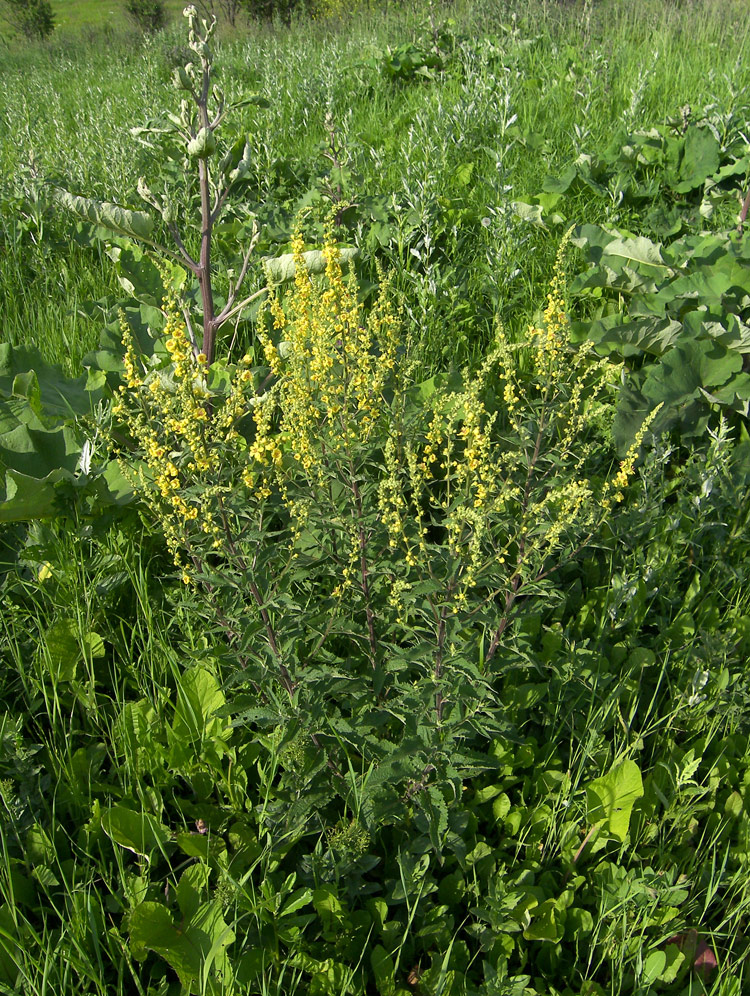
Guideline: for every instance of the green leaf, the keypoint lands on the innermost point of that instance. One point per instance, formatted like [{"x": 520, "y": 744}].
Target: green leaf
[
  {"x": 282, "y": 268},
  {"x": 23, "y": 497},
  {"x": 632, "y": 409},
  {"x": 199, "y": 696},
  {"x": 544, "y": 925},
  {"x": 120, "y": 220},
  {"x": 674, "y": 961},
  {"x": 25, "y": 373},
  {"x": 384, "y": 970},
  {"x": 138, "y": 275},
  {"x": 638, "y": 251},
  {"x": 196, "y": 948},
  {"x": 688, "y": 367},
  {"x": 63, "y": 650},
  {"x": 463, "y": 173},
  {"x": 11, "y": 945},
  {"x": 329, "y": 908},
  {"x": 653, "y": 967},
  {"x": 138, "y": 832},
  {"x": 531, "y": 213},
  {"x": 700, "y": 158},
  {"x": 610, "y": 799},
  {"x": 652, "y": 335}
]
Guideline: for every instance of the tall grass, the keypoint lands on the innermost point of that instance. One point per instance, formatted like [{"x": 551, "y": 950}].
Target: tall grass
[{"x": 539, "y": 85}]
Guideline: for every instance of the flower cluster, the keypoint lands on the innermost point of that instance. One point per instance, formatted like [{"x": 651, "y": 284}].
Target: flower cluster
[
  {"x": 180, "y": 433},
  {"x": 333, "y": 364},
  {"x": 614, "y": 488},
  {"x": 498, "y": 474}
]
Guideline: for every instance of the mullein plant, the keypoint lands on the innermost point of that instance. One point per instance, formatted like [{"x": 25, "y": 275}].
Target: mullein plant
[
  {"x": 360, "y": 541},
  {"x": 337, "y": 521}
]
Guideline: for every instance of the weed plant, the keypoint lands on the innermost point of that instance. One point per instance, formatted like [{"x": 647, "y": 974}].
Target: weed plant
[{"x": 393, "y": 677}]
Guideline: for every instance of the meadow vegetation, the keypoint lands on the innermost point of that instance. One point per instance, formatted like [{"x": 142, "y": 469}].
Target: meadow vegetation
[{"x": 373, "y": 489}]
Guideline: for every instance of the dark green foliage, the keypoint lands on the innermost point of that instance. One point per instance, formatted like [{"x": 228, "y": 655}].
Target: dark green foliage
[
  {"x": 33, "y": 18},
  {"x": 270, "y": 10},
  {"x": 148, "y": 15},
  {"x": 578, "y": 825}
]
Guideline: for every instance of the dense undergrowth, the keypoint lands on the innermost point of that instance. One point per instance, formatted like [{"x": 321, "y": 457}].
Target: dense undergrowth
[{"x": 399, "y": 645}]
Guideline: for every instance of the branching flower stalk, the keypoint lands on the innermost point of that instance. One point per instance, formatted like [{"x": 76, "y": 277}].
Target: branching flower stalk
[{"x": 398, "y": 516}]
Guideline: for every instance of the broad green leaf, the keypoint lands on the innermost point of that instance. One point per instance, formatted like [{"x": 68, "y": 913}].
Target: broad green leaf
[
  {"x": 329, "y": 908},
  {"x": 610, "y": 799},
  {"x": 652, "y": 335},
  {"x": 23, "y": 497},
  {"x": 200, "y": 845},
  {"x": 653, "y": 967},
  {"x": 138, "y": 275},
  {"x": 688, "y": 367},
  {"x": 674, "y": 961},
  {"x": 138, "y": 832},
  {"x": 529, "y": 212},
  {"x": 120, "y": 220},
  {"x": 24, "y": 373},
  {"x": 199, "y": 696},
  {"x": 544, "y": 924},
  {"x": 578, "y": 923},
  {"x": 119, "y": 489},
  {"x": 384, "y": 970},
  {"x": 188, "y": 947},
  {"x": 60, "y": 650},
  {"x": 700, "y": 158},
  {"x": 637, "y": 252},
  {"x": 562, "y": 184},
  {"x": 328, "y": 976},
  {"x": 298, "y": 900},
  {"x": 463, "y": 173},
  {"x": 282, "y": 268}
]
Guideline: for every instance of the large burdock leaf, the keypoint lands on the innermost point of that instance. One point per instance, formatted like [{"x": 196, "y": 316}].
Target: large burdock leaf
[
  {"x": 23, "y": 498},
  {"x": 700, "y": 159},
  {"x": 610, "y": 799},
  {"x": 639, "y": 252},
  {"x": 24, "y": 374},
  {"x": 688, "y": 367},
  {"x": 120, "y": 220}
]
